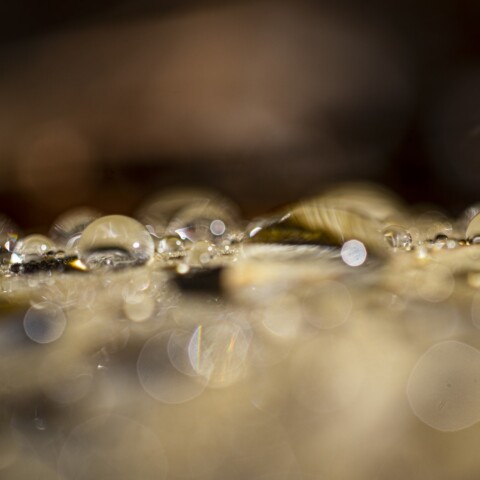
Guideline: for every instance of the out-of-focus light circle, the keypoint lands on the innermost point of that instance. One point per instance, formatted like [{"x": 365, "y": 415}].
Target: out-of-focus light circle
[
  {"x": 353, "y": 253},
  {"x": 444, "y": 387},
  {"x": 160, "y": 378},
  {"x": 44, "y": 323}
]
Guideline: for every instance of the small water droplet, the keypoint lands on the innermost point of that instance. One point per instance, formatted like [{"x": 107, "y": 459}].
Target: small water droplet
[
  {"x": 115, "y": 241},
  {"x": 171, "y": 245},
  {"x": 398, "y": 237},
  {"x": 32, "y": 248}
]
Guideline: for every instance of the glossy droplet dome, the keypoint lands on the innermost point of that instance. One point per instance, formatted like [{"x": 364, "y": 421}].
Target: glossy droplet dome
[{"x": 115, "y": 241}]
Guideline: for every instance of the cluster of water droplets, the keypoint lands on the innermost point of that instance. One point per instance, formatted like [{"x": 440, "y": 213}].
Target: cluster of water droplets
[{"x": 184, "y": 326}]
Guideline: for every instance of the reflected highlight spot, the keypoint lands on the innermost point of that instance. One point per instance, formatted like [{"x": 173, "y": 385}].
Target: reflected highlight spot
[{"x": 354, "y": 253}]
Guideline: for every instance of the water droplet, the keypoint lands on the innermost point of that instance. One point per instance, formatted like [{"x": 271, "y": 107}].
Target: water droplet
[
  {"x": 398, "y": 237},
  {"x": 172, "y": 245},
  {"x": 44, "y": 322},
  {"x": 32, "y": 248},
  {"x": 354, "y": 253},
  {"x": 444, "y": 387},
  {"x": 68, "y": 227},
  {"x": 115, "y": 241}
]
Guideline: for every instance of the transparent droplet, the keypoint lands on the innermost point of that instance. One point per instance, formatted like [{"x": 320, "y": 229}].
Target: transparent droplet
[
  {"x": 32, "y": 249},
  {"x": 201, "y": 253},
  {"x": 444, "y": 387},
  {"x": 160, "y": 378},
  {"x": 68, "y": 227},
  {"x": 44, "y": 322},
  {"x": 171, "y": 245},
  {"x": 115, "y": 241},
  {"x": 354, "y": 253},
  {"x": 218, "y": 353},
  {"x": 398, "y": 237}
]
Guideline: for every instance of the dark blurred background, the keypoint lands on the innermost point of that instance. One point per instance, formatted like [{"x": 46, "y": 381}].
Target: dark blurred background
[{"x": 103, "y": 103}]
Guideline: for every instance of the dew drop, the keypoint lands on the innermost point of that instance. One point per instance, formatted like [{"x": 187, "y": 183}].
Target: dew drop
[
  {"x": 398, "y": 237},
  {"x": 115, "y": 241},
  {"x": 32, "y": 248},
  {"x": 171, "y": 245}
]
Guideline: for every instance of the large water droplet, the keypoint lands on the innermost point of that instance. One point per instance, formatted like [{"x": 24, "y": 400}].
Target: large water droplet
[
  {"x": 115, "y": 241},
  {"x": 32, "y": 248},
  {"x": 68, "y": 227}
]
